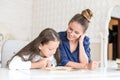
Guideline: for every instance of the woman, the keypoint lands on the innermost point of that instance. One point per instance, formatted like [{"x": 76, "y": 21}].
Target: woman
[
  {"x": 40, "y": 53},
  {"x": 75, "y": 45}
]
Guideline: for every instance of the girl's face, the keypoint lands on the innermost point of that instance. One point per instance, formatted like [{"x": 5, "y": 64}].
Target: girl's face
[
  {"x": 47, "y": 50},
  {"x": 74, "y": 31}
]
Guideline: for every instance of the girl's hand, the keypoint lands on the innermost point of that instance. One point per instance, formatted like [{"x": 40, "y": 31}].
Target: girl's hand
[
  {"x": 93, "y": 65},
  {"x": 42, "y": 63},
  {"x": 82, "y": 37},
  {"x": 49, "y": 64}
]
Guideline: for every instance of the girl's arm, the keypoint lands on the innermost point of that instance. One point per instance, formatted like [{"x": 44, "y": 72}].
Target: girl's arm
[
  {"x": 42, "y": 63},
  {"x": 17, "y": 63}
]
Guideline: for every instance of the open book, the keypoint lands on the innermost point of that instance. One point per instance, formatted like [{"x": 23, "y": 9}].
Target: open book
[
  {"x": 58, "y": 68},
  {"x": 61, "y": 69}
]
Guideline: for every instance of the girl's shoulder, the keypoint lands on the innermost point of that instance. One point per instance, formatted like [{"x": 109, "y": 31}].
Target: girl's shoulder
[{"x": 17, "y": 57}]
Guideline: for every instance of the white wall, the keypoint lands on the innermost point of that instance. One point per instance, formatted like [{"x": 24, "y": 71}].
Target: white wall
[
  {"x": 116, "y": 12},
  {"x": 57, "y": 13},
  {"x": 16, "y": 18}
]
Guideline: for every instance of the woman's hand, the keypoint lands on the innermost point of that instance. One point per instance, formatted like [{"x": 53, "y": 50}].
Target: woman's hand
[
  {"x": 81, "y": 39},
  {"x": 93, "y": 65}
]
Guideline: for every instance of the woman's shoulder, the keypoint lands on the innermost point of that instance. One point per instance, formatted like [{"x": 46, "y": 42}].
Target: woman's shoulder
[
  {"x": 86, "y": 40},
  {"x": 63, "y": 33}
]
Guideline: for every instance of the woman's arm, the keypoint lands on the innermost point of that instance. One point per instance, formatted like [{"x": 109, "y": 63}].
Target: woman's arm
[
  {"x": 76, "y": 65},
  {"x": 83, "y": 58},
  {"x": 82, "y": 54},
  {"x": 92, "y": 65}
]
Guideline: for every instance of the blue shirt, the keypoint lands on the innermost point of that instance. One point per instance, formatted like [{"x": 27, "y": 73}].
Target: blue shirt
[{"x": 65, "y": 53}]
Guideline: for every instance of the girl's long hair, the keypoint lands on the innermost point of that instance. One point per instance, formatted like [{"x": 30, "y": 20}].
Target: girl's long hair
[{"x": 32, "y": 48}]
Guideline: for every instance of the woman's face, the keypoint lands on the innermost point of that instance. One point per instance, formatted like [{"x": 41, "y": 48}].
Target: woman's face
[
  {"x": 47, "y": 50},
  {"x": 74, "y": 31}
]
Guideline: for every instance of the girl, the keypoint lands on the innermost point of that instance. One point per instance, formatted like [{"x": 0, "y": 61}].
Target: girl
[
  {"x": 40, "y": 53},
  {"x": 75, "y": 45}
]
